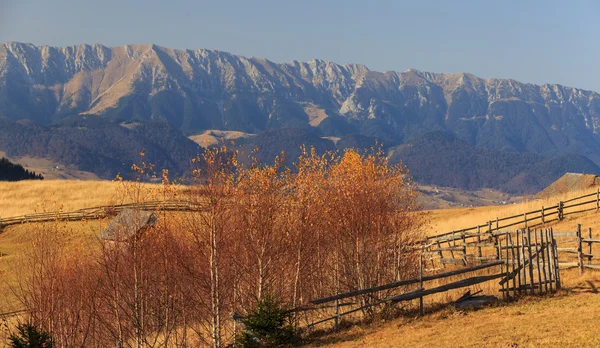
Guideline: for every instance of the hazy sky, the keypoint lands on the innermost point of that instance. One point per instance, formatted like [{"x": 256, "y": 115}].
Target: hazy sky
[{"x": 531, "y": 41}]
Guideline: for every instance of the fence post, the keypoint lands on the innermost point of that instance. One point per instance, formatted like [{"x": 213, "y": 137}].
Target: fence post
[
  {"x": 555, "y": 256},
  {"x": 537, "y": 260},
  {"x": 560, "y": 210},
  {"x": 440, "y": 253},
  {"x": 579, "y": 250},
  {"x": 530, "y": 256},
  {"x": 598, "y": 199},
  {"x": 464, "y": 247},
  {"x": 507, "y": 265},
  {"x": 543, "y": 246},
  {"x": 543, "y": 217},
  {"x": 479, "y": 254},
  {"x": 519, "y": 258},
  {"x": 548, "y": 259},
  {"x": 499, "y": 256},
  {"x": 590, "y": 246},
  {"x": 421, "y": 284}
]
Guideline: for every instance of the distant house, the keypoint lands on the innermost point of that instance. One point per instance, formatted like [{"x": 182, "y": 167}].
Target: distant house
[
  {"x": 570, "y": 182},
  {"x": 130, "y": 223}
]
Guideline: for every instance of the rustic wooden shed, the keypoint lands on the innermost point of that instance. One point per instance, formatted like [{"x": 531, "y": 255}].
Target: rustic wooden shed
[{"x": 128, "y": 224}]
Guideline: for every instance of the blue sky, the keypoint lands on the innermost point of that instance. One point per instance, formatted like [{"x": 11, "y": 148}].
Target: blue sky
[{"x": 530, "y": 41}]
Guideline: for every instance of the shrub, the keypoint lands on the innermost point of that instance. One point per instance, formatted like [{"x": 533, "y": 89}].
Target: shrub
[
  {"x": 30, "y": 336},
  {"x": 268, "y": 325}
]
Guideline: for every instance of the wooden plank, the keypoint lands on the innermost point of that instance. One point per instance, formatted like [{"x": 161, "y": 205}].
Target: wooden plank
[
  {"x": 543, "y": 270},
  {"x": 452, "y": 261},
  {"x": 591, "y": 240},
  {"x": 580, "y": 204},
  {"x": 514, "y": 247},
  {"x": 450, "y": 286},
  {"x": 580, "y": 197},
  {"x": 537, "y": 259},
  {"x": 447, "y": 249},
  {"x": 589, "y": 251},
  {"x": 557, "y": 278},
  {"x": 531, "y": 280},
  {"x": 568, "y": 264},
  {"x": 499, "y": 252},
  {"x": 579, "y": 211},
  {"x": 485, "y": 258},
  {"x": 514, "y": 265},
  {"x": 479, "y": 254},
  {"x": 405, "y": 282},
  {"x": 579, "y": 250},
  {"x": 441, "y": 254},
  {"x": 523, "y": 260},
  {"x": 565, "y": 234},
  {"x": 568, "y": 250},
  {"x": 548, "y": 260},
  {"x": 519, "y": 260},
  {"x": 592, "y": 266}
]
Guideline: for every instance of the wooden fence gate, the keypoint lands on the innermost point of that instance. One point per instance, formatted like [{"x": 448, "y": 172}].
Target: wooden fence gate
[{"x": 530, "y": 262}]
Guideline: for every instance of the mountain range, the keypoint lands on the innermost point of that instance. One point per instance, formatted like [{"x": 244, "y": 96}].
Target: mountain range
[{"x": 86, "y": 97}]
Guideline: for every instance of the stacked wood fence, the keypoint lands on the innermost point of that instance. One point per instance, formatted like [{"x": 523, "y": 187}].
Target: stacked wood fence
[
  {"x": 523, "y": 261},
  {"x": 466, "y": 246}
]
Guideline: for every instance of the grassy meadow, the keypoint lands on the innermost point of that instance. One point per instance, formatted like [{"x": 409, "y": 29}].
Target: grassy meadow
[{"x": 562, "y": 319}]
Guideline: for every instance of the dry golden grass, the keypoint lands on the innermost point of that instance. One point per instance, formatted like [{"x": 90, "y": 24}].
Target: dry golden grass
[
  {"x": 566, "y": 319},
  {"x": 26, "y": 197},
  {"x": 446, "y": 220}
]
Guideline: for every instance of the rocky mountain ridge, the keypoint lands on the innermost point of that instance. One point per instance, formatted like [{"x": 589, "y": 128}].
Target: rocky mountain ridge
[{"x": 195, "y": 90}]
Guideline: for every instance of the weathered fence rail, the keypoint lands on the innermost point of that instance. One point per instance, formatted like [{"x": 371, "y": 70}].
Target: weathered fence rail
[
  {"x": 532, "y": 218},
  {"x": 465, "y": 246},
  {"x": 100, "y": 212},
  {"x": 525, "y": 261}
]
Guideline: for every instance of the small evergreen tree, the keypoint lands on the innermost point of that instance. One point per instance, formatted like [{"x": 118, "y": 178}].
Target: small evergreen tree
[
  {"x": 268, "y": 325},
  {"x": 30, "y": 336}
]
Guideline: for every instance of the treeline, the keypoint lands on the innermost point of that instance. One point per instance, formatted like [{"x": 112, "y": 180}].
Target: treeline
[
  {"x": 15, "y": 172},
  {"x": 439, "y": 158},
  {"x": 330, "y": 224}
]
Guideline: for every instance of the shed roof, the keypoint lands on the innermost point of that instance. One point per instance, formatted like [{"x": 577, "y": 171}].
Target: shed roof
[
  {"x": 127, "y": 224},
  {"x": 570, "y": 182}
]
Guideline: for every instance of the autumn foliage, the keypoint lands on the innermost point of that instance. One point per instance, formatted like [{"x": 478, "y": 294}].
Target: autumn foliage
[{"x": 331, "y": 223}]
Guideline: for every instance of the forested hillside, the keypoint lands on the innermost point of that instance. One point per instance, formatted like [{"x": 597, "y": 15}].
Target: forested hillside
[
  {"x": 15, "y": 172},
  {"x": 441, "y": 159}
]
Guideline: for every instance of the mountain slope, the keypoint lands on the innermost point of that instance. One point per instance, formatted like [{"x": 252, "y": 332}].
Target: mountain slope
[
  {"x": 195, "y": 90},
  {"x": 98, "y": 146},
  {"x": 441, "y": 159}
]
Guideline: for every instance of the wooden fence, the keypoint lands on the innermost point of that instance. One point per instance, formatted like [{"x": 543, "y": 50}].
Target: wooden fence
[
  {"x": 576, "y": 249},
  {"x": 465, "y": 246},
  {"x": 525, "y": 261},
  {"x": 101, "y": 212}
]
